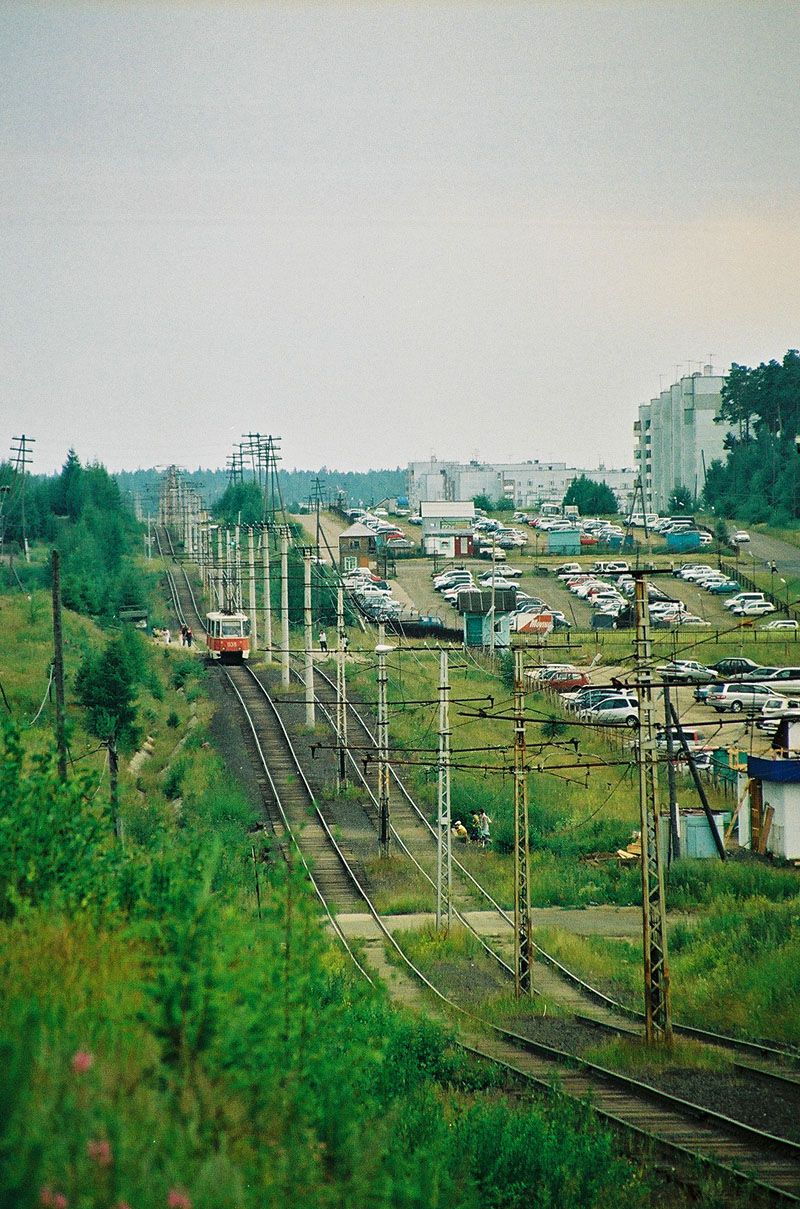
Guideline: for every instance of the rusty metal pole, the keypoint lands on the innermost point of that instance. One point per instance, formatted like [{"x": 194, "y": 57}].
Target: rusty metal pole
[{"x": 654, "y": 926}]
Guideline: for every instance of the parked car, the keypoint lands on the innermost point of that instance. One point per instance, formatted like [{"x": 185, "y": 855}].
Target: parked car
[
  {"x": 722, "y": 587},
  {"x": 618, "y": 710},
  {"x": 685, "y": 671},
  {"x": 739, "y": 697},
  {"x": 781, "y": 623},
  {"x": 741, "y": 536},
  {"x": 736, "y": 666},
  {"x": 742, "y": 598},
  {"x": 695, "y": 739},
  {"x": 773, "y": 711},
  {"x": 754, "y": 608},
  {"x": 785, "y": 680},
  {"x": 564, "y": 680}
]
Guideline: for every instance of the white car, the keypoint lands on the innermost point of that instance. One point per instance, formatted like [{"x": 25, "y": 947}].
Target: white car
[
  {"x": 754, "y": 608},
  {"x": 620, "y": 710},
  {"x": 775, "y": 709},
  {"x": 781, "y": 623},
  {"x": 740, "y": 536}
]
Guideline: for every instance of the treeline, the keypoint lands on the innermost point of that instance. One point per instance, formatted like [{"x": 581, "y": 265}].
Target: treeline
[
  {"x": 297, "y": 487},
  {"x": 760, "y": 480},
  {"x": 81, "y": 513}
]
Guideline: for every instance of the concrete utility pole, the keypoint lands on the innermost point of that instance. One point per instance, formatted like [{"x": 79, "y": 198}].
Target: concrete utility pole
[
  {"x": 308, "y": 636},
  {"x": 444, "y": 854},
  {"x": 341, "y": 693},
  {"x": 523, "y": 944},
  {"x": 267, "y": 593},
  {"x": 658, "y": 1018},
  {"x": 494, "y": 595},
  {"x": 382, "y": 650},
  {"x": 285, "y": 605},
  {"x": 58, "y": 669},
  {"x": 251, "y": 566}
]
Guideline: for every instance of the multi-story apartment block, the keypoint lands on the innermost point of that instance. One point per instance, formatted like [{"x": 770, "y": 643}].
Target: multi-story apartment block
[
  {"x": 526, "y": 484},
  {"x": 676, "y": 437}
]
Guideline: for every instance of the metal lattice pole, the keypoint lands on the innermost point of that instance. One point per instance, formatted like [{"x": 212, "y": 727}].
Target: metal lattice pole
[
  {"x": 656, "y": 973},
  {"x": 523, "y": 947},
  {"x": 444, "y": 855},
  {"x": 341, "y": 692},
  {"x": 309, "y": 637},
  {"x": 382, "y": 650}
]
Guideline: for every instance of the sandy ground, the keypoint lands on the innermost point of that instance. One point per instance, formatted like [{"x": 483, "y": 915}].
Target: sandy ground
[{"x": 620, "y": 922}]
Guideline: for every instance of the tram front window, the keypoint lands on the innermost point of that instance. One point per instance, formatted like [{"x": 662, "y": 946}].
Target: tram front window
[{"x": 231, "y": 629}]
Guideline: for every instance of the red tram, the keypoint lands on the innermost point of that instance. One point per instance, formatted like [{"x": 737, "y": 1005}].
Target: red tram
[{"x": 228, "y": 636}]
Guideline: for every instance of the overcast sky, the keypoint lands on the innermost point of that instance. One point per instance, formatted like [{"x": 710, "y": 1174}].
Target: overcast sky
[{"x": 386, "y": 230}]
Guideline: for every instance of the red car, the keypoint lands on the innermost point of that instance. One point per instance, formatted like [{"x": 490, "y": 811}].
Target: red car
[
  {"x": 588, "y": 540},
  {"x": 566, "y": 681}
]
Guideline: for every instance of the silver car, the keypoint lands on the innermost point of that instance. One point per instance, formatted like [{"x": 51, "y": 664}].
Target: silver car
[{"x": 739, "y": 697}]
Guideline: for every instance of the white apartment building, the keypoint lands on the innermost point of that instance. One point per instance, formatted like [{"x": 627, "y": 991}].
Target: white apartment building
[
  {"x": 676, "y": 438},
  {"x": 526, "y": 484}
]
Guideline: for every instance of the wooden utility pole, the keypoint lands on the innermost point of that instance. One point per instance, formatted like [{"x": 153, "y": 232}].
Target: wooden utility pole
[
  {"x": 523, "y": 943},
  {"x": 654, "y": 927},
  {"x": 58, "y": 669}
]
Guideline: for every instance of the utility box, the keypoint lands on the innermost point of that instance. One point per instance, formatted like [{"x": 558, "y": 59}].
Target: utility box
[{"x": 697, "y": 842}]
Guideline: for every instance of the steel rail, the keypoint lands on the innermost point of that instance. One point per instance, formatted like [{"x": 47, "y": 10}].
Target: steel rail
[
  {"x": 762, "y": 1048},
  {"x": 635, "y": 1088}
]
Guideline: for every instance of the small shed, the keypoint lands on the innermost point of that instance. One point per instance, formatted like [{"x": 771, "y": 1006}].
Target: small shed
[
  {"x": 357, "y": 547},
  {"x": 455, "y": 543},
  {"x": 564, "y": 541},
  {"x": 482, "y": 624},
  {"x": 774, "y": 815}
]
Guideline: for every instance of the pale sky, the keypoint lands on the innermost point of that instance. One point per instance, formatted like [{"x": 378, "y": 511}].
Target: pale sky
[{"x": 386, "y": 230}]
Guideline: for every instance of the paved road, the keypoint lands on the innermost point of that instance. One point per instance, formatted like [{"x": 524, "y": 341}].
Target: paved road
[{"x": 762, "y": 549}]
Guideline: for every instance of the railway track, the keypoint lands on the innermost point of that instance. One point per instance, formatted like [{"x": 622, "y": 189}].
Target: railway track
[
  {"x": 592, "y": 998},
  {"x": 683, "y": 1130}
]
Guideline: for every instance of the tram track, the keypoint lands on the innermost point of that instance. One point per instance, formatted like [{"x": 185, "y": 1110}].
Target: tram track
[
  {"x": 755, "y": 1048},
  {"x": 681, "y": 1129}
]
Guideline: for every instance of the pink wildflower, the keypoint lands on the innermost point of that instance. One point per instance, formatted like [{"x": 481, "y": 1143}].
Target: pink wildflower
[
  {"x": 178, "y": 1199},
  {"x": 99, "y": 1152},
  {"x": 50, "y": 1199},
  {"x": 82, "y": 1061}
]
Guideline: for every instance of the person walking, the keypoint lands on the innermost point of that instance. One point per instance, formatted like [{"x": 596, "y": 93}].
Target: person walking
[
  {"x": 483, "y": 824},
  {"x": 323, "y": 641}
]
